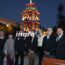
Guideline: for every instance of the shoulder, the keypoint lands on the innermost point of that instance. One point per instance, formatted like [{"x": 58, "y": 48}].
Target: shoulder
[
  {"x": 63, "y": 37},
  {"x": 45, "y": 37}
]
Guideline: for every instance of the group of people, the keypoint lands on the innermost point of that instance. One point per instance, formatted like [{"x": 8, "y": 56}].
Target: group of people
[{"x": 15, "y": 47}]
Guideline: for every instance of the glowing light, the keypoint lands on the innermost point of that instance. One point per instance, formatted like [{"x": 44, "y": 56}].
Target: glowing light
[{"x": 7, "y": 25}]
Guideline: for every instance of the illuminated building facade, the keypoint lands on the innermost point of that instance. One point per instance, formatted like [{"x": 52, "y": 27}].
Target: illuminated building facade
[
  {"x": 7, "y": 25},
  {"x": 30, "y": 17}
]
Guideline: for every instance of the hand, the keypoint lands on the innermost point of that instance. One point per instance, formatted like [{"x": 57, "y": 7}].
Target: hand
[
  {"x": 5, "y": 52},
  {"x": 46, "y": 53},
  {"x": 30, "y": 51}
]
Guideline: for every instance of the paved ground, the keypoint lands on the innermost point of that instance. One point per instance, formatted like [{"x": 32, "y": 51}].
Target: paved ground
[{"x": 26, "y": 61}]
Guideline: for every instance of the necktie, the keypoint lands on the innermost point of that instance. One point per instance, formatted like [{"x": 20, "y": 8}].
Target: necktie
[
  {"x": 48, "y": 37},
  {"x": 57, "y": 39}
]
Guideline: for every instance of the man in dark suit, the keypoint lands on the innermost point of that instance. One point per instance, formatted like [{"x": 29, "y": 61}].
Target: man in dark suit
[
  {"x": 32, "y": 49},
  {"x": 19, "y": 47},
  {"x": 28, "y": 42},
  {"x": 60, "y": 44},
  {"x": 2, "y": 43},
  {"x": 48, "y": 43}
]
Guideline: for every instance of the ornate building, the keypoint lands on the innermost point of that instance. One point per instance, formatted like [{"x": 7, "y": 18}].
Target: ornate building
[
  {"x": 7, "y": 25},
  {"x": 30, "y": 17}
]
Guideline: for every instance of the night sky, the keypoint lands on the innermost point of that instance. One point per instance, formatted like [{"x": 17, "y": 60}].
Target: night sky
[{"x": 12, "y": 9}]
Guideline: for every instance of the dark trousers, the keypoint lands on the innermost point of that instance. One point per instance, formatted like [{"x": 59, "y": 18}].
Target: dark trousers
[
  {"x": 32, "y": 57},
  {"x": 1, "y": 58},
  {"x": 21, "y": 55},
  {"x": 40, "y": 54},
  {"x": 9, "y": 60}
]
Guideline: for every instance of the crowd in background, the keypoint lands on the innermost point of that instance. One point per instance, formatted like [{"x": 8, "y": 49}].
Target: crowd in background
[{"x": 49, "y": 45}]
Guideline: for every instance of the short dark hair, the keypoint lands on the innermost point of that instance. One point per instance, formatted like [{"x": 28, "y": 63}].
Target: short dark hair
[{"x": 60, "y": 28}]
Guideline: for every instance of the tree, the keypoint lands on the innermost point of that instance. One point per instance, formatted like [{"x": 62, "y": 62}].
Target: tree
[{"x": 61, "y": 17}]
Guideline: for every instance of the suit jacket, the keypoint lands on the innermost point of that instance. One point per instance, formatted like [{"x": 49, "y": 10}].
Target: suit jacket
[
  {"x": 28, "y": 42},
  {"x": 2, "y": 43},
  {"x": 49, "y": 44},
  {"x": 60, "y": 48},
  {"x": 32, "y": 45},
  {"x": 19, "y": 44}
]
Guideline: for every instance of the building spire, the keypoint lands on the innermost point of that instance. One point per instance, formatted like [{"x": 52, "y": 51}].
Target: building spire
[{"x": 30, "y": 1}]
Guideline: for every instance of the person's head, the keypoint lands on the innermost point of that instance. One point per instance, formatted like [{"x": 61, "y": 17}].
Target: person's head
[
  {"x": 32, "y": 34},
  {"x": 2, "y": 33},
  {"x": 49, "y": 31},
  {"x": 10, "y": 36},
  {"x": 40, "y": 31},
  {"x": 60, "y": 31}
]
